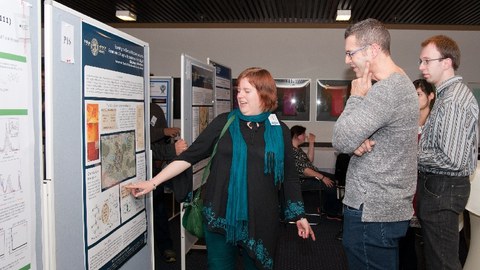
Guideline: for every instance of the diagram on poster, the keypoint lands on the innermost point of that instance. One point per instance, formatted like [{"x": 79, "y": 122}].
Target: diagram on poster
[{"x": 104, "y": 215}]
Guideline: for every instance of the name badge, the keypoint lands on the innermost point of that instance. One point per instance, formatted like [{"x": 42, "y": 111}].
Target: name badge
[
  {"x": 273, "y": 120},
  {"x": 153, "y": 121}
]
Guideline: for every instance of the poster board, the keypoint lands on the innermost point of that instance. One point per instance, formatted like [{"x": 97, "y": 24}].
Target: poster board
[
  {"x": 223, "y": 87},
  {"x": 97, "y": 89},
  {"x": 20, "y": 135},
  {"x": 197, "y": 110}
]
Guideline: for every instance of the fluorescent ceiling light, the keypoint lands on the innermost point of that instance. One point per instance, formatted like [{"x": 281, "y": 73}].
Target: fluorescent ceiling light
[
  {"x": 343, "y": 15},
  {"x": 126, "y": 15}
]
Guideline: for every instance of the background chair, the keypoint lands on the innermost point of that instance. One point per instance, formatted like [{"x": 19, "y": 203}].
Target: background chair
[
  {"x": 341, "y": 166},
  {"x": 304, "y": 188},
  {"x": 308, "y": 186}
]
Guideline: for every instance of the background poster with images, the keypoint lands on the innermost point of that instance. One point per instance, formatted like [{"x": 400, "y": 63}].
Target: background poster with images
[
  {"x": 161, "y": 94},
  {"x": 114, "y": 147},
  {"x": 332, "y": 96},
  {"x": 223, "y": 88},
  {"x": 202, "y": 99},
  {"x": 17, "y": 175}
]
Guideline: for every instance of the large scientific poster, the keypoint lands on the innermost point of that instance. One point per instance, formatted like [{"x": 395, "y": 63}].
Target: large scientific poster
[
  {"x": 17, "y": 194},
  {"x": 114, "y": 147},
  {"x": 197, "y": 95},
  {"x": 202, "y": 99}
]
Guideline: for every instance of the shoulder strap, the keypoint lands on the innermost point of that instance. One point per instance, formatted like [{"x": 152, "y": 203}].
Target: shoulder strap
[{"x": 206, "y": 170}]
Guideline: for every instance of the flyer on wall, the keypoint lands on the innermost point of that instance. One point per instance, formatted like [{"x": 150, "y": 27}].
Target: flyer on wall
[
  {"x": 114, "y": 147},
  {"x": 17, "y": 187}
]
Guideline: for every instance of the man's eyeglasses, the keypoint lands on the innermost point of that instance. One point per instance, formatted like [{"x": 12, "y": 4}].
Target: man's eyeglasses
[
  {"x": 351, "y": 53},
  {"x": 426, "y": 61}
]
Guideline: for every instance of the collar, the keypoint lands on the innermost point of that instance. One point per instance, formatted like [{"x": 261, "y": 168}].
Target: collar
[{"x": 447, "y": 83}]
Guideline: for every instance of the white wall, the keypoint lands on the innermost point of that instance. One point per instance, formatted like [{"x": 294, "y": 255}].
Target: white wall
[{"x": 292, "y": 53}]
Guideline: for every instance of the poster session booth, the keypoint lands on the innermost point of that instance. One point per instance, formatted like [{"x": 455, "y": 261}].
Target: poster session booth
[
  {"x": 205, "y": 93},
  {"x": 96, "y": 100},
  {"x": 79, "y": 215},
  {"x": 20, "y": 135},
  {"x": 97, "y": 93}
]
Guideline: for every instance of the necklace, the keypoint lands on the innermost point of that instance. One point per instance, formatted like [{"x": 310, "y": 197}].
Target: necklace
[{"x": 249, "y": 124}]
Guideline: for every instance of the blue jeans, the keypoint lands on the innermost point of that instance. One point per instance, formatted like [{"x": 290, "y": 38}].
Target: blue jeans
[
  {"x": 371, "y": 245},
  {"x": 223, "y": 256},
  {"x": 441, "y": 199}
]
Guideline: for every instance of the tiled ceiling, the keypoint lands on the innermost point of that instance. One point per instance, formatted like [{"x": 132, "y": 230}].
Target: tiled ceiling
[{"x": 461, "y": 14}]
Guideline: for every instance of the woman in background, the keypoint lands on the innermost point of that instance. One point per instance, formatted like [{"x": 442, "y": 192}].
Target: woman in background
[
  {"x": 317, "y": 179},
  {"x": 411, "y": 246},
  {"x": 253, "y": 158},
  {"x": 426, "y": 99}
]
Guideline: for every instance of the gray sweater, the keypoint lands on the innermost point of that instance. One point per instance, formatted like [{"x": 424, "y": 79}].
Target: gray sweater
[{"x": 384, "y": 180}]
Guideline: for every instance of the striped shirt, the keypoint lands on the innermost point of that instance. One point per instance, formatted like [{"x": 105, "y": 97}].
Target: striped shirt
[{"x": 449, "y": 142}]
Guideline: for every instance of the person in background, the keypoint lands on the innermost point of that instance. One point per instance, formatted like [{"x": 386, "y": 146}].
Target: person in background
[
  {"x": 411, "y": 246},
  {"x": 305, "y": 168},
  {"x": 379, "y": 126},
  {"x": 163, "y": 151},
  {"x": 447, "y": 153},
  {"x": 253, "y": 159},
  {"x": 426, "y": 99}
]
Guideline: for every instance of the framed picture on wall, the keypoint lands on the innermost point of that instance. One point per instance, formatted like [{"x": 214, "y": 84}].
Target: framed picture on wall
[
  {"x": 293, "y": 99},
  {"x": 331, "y": 98}
]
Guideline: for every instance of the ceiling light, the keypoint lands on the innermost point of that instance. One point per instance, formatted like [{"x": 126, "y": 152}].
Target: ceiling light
[
  {"x": 343, "y": 15},
  {"x": 126, "y": 15}
]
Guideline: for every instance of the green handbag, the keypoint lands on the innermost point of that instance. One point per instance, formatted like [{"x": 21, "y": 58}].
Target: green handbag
[{"x": 192, "y": 219}]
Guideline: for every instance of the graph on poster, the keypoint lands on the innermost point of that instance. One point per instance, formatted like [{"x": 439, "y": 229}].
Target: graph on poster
[
  {"x": 10, "y": 182},
  {"x": 10, "y": 175},
  {"x": 9, "y": 136},
  {"x": 14, "y": 239}
]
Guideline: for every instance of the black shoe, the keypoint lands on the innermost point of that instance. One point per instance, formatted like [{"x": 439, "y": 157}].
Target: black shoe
[
  {"x": 169, "y": 256},
  {"x": 339, "y": 235}
]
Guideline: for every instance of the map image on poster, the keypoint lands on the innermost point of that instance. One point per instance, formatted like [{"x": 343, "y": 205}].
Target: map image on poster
[{"x": 118, "y": 158}]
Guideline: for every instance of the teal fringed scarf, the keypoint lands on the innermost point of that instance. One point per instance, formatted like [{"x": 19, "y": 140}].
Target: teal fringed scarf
[{"x": 237, "y": 204}]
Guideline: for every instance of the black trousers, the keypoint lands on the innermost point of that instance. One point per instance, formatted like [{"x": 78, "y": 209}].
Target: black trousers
[
  {"x": 161, "y": 228},
  {"x": 331, "y": 204}
]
